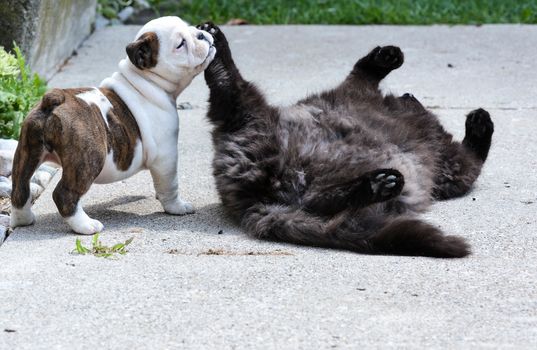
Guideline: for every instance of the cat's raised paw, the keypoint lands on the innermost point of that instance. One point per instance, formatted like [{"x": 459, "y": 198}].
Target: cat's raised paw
[
  {"x": 220, "y": 41},
  {"x": 386, "y": 184},
  {"x": 209, "y": 27},
  {"x": 388, "y": 57},
  {"x": 479, "y": 130},
  {"x": 479, "y": 125}
]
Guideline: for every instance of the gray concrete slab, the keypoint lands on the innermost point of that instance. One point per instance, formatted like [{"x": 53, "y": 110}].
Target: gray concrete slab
[{"x": 167, "y": 293}]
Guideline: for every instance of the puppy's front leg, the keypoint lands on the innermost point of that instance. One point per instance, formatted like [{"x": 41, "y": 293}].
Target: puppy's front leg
[{"x": 164, "y": 173}]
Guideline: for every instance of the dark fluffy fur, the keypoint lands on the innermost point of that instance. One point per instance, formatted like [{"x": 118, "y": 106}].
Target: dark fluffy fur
[{"x": 348, "y": 168}]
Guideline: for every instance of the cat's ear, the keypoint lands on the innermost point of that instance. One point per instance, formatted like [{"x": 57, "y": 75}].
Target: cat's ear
[{"x": 143, "y": 52}]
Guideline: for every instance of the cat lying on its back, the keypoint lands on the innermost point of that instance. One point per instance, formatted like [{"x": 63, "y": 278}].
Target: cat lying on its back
[{"x": 348, "y": 168}]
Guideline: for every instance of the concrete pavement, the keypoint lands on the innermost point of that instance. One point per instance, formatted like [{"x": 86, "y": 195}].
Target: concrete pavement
[{"x": 169, "y": 291}]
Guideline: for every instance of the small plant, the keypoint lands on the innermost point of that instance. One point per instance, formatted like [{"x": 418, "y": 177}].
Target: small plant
[
  {"x": 100, "y": 250},
  {"x": 19, "y": 91},
  {"x": 111, "y": 8}
]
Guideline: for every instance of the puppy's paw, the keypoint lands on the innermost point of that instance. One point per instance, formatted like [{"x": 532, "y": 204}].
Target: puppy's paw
[
  {"x": 179, "y": 208},
  {"x": 21, "y": 217},
  {"x": 84, "y": 225}
]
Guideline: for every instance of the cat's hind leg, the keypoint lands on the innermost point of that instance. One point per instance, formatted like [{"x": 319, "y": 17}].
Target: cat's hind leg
[
  {"x": 363, "y": 81},
  {"x": 373, "y": 187},
  {"x": 479, "y": 130},
  {"x": 461, "y": 163}
]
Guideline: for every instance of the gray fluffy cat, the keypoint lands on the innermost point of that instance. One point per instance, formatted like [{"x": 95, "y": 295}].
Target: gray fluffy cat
[{"x": 348, "y": 168}]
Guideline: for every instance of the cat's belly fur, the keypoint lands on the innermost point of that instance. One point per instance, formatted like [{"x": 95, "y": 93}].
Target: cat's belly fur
[
  {"x": 310, "y": 151},
  {"x": 345, "y": 147}
]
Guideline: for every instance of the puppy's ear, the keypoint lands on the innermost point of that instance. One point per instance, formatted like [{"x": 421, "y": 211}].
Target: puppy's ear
[{"x": 143, "y": 53}]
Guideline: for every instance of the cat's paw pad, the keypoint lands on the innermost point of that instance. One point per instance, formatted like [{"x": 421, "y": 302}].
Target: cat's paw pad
[
  {"x": 386, "y": 184},
  {"x": 388, "y": 57},
  {"x": 209, "y": 27},
  {"x": 220, "y": 41},
  {"x": 479, "y": 125},
  {"x": 216, "y": 33}
]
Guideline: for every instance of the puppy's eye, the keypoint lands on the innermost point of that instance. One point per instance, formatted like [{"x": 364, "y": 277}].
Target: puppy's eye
[{"x": 181, "y": 44}]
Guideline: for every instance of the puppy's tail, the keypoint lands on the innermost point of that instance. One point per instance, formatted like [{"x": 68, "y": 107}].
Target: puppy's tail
[
  {"x": 51, "y": 100},
  {"x": 402, "y": 236}
]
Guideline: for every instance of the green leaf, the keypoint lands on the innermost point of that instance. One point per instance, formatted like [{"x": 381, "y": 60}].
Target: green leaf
[
  {"x": 80, "y": 248},
  {"x": 95, "y": 240},
  {"x": 100, "y": 250},
  {"x": 118, "y": 247}
]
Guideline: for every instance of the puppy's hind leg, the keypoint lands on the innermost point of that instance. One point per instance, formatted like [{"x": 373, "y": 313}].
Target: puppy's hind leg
[
  {"x": 28, "y": 157},
  {"x": 68, "y": 202},
  {"x": 80, "y": 169}
]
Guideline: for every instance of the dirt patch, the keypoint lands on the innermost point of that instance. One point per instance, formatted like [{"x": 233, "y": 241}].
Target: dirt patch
[
  {"x": 219, "y": 251},
  {"x": 276, "y": 252}
]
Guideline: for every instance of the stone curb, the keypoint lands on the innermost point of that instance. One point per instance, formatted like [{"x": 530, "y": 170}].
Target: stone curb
[{"x": 39, "y": 181}]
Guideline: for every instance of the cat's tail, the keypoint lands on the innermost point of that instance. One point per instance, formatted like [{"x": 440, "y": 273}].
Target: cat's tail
[
  {"x": 407, "y": 236},
  {"x": 401, "y": 236}
]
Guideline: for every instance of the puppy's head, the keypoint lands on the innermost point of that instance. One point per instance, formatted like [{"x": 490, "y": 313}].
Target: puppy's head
[{"x": 172, "y": 49}]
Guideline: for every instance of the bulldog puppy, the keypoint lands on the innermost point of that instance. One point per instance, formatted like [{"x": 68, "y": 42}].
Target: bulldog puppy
[{"x": 106, "y": 134}]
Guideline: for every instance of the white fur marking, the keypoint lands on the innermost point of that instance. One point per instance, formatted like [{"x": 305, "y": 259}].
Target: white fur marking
[
  {"x": 22, "y": 216},
  {"x": 97, "y": 98},
  {"x": 110, "y": 173},
  {"x": 81, "y": 223},
  {"x": 178, "y": 207}
]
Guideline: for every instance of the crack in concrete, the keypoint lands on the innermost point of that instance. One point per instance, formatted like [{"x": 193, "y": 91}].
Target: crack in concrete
[{"x": 435, "y": 107}]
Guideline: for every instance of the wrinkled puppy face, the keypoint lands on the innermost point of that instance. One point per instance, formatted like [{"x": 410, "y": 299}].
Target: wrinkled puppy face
[{"x": 172, "y": 49}]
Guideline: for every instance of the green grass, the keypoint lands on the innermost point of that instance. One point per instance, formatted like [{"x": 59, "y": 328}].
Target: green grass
[
  {"x": 100, "y": 250},
  {"x": 20, "y": 90},
  {"x": 353, "y": 11}
]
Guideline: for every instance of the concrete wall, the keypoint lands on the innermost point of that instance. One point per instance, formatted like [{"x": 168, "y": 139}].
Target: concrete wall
[{"x": 46, "y": 30}]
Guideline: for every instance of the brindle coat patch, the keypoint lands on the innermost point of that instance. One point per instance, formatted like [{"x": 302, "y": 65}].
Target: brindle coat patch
[{"x": 123, "y": 131}]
